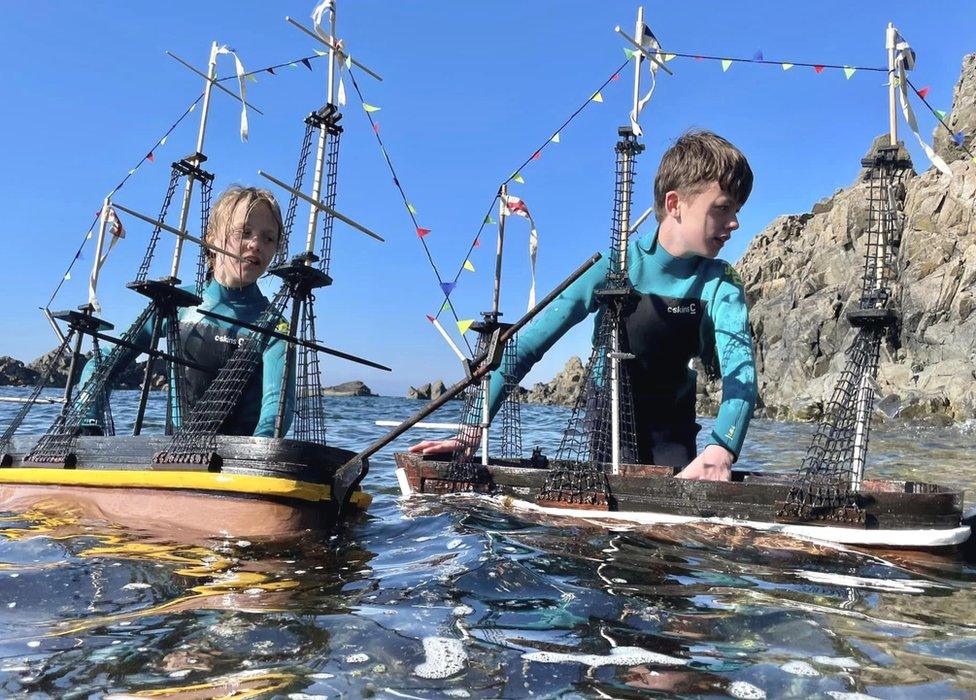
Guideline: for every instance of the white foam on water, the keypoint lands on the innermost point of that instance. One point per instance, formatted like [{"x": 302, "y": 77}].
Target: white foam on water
[
  {"x": 841, "y": 695},
  {"x": 357, "y": 658},
  {"x": 745, "y": 691},
  {"x": 34, "y": 644},
  {"x": 457, "y": 693},
  {"x": 618, "y": 656},
  {"x": 799, "y": 668},
  {"x": 135, "y": 586},
  {"x": 322, "y": 676},
  {"x": 445, "y": 657},
  {"x": 838, "y": 661},
  {"x": 462, "y": 610},
  {"x": 877, "y": 584},
  {"x": 454, "y": 544}
]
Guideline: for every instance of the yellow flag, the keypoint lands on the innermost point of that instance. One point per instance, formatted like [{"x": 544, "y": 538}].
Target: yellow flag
[
  {"x": 411, "y": 209},
  {"x": 463, "y": 326},
  {"x": 597, "y": 97},
  {"x": 726, "y": 64},
  {"x": 669, "y": 57},
  {"x": 786, "y": 66},
  {"x": 321, "y": 53},
  {"x": 370, "y": 108},
  {"x": 517, "y": 177},
  {"x": 468, "y": 266},
  {"x": 848, "y": 72}
]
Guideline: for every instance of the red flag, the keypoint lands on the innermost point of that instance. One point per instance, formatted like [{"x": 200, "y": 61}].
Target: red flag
[
  {"x": 924, "y": 91},
  {"x": 150, "y": 157},
  {"x": 477, "y": 243},
  {"x": 615, "y": 76},
  {"x": 422, "y": 231},
  {"x": 699, "y": 58},
  {"x": 818, "y": 69},
  {"x": 376, "y": 127},
  {"x": 537, "y": 155},
  {"x": 430, "y": 318}
]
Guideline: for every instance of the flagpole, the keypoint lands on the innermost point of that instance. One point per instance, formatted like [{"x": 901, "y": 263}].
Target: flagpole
[
  {"x": 638, "y": 60},
  {"x": 502, "y": 209},
  {"x": 891, "y": 38},
  {"x": 196, "y": 159}
]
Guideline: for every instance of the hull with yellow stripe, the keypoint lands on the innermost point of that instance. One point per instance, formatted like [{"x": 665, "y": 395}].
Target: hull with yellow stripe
[{"x": 256, "y": 487}]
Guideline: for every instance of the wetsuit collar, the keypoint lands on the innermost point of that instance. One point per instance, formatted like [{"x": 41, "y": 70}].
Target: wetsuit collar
[
  {"x": 679, "y": 267},
  {"x": 217, "y": 292}
]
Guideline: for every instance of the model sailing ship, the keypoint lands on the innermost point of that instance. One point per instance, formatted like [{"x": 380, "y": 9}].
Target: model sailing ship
[
  {"x": 194, "y": 478},
  {"x": 591, "y": 478}
]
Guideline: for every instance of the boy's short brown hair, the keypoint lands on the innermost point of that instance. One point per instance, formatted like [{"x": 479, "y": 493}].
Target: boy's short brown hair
[{"x": 696, "y": 159}]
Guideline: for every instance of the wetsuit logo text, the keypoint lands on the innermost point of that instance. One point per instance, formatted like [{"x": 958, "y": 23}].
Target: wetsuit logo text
[{"x": 691, "y": 308}]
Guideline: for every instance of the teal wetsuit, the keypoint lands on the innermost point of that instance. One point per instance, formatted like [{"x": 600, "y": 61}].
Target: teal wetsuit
[
  {"x": 209, "y": 342},
  {"x": 688, "y": 307}
]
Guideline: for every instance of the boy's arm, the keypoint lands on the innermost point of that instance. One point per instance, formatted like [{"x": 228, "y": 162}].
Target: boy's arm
[
  {"x": 273, "y": 361},
  {"x": 565, "y": 311},
  {"x": 733, "y": 346}
]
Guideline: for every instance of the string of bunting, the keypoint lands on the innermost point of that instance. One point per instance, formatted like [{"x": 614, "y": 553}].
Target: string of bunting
[
  {"x": 150, "y": 155},
  {"x": 958, "y": 137},
  {"x": 758, "y": 58}
]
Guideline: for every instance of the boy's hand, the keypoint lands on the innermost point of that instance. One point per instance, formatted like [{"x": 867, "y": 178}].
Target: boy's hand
[
  {"x": 713, "y": 464},
  {"x": 433, "y": 447}
]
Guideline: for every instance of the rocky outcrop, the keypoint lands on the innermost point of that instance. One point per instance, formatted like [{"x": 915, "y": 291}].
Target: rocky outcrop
[
  {"x": 962, "y": 118},
  {"x": 802, "y": 273},
  {"x": 130, "y": 378},
  {"x": 427, "y": 392},
  {"x": 16, "y": 373},
  {"x": 355, "y": 388},
  {"x": 562, "y": 389}
]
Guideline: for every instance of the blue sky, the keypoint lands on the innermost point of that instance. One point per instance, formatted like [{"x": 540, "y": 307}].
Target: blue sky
[{"x": 470, "y": 90}]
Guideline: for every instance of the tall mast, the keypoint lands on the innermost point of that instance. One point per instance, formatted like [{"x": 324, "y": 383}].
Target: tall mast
[{"x": 891, "y": 38}]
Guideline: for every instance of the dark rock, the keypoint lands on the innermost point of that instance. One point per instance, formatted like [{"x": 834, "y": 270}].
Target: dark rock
[
  {"x": 355, "y": 388},
  {"x": 562, "y": 389},
  {"x": 16, "y": 373}
]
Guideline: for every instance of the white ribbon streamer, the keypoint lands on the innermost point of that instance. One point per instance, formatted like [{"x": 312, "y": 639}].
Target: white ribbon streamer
[
  {"x": 239, "y": 67},
  {"x": 514, "y": 205},
  {"x": 650, "y": 44},
  {"x": 117, "y": 231},
  {"x": 905, "y": 61}
]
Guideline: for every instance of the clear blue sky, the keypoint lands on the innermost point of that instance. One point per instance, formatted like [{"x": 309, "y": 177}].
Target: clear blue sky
[{"x": 470, "y": 90}]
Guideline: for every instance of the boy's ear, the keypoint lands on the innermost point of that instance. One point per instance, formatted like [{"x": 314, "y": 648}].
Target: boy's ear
[{"x": 671, "y": 201}]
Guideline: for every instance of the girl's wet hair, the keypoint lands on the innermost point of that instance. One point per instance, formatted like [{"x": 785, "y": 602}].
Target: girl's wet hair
[
  {"x": 225, "y": 207},
  {"x": 696, "y": 159}
]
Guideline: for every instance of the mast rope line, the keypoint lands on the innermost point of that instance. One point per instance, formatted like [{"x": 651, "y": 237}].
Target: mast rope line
[{"x": 937, "y": 116}]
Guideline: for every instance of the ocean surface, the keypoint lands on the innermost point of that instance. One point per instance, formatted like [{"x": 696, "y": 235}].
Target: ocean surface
[{"x": 429, "y": 599}]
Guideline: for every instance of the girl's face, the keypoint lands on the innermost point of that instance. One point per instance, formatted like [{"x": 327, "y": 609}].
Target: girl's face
[{"x": 254, "y": 236}]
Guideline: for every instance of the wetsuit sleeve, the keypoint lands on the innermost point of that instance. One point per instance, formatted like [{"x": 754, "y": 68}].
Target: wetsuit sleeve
[
  {"x": 733, "y": 344},
  {"x": 566, "y": 310},
  {"x": 273, "y": 361}
]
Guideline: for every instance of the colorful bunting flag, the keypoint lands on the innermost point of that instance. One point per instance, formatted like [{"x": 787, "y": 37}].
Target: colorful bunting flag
[
  {"x": 468, "y": 266},
  {"x": 555, "y": 138},
  {"x": 629, "y": 53},
  {"x": 192, "y": 107},
  {"x": 463, "y": 326},
  {"x": 270, "y": 70},
  {"x": 162, "y": 141},
  {"x": 758, "y": 56},
  {"x": 430, "y": 318},
  {"x": 293, "y": 65},
  {"x": 67, "y": 275},
  {"x": 786, "y": 66},
  {"x": 517, "y": 177},
  {"x": 597, "y": 97},
  {"x": 422, "y": 231},
  {"x": 699, "y": 58},
  {"x": 924, "y": 91},
  {"x": 615, "y": 76},
  {"x": 670, "y": 57},
  {"x": 848, "y": 72},
  {"x": 376, "y": 127},
  {"x": 370, "y": 108},
  {"x": 348, "y": 62},
  {"x": 251, "y": 77},
  {"x": 445, "y": 306},
  {"x": 150, "y": 157},
  {"x": 477, "y": 243},
  {"x": 448, "y": 287},
  {"x": 321, "y": 53},
  {"x": 307, "y": 63},
  {"x": 818, "y": 69},
  {"x": 959, "y": 137},
  {"x": 489, "y": 220},
  {"x": 537, "y": 155},
  {"x": 411, "y": 209},
  {"x": 942, "y": 115},
  {"x": 726, "y": 64}
]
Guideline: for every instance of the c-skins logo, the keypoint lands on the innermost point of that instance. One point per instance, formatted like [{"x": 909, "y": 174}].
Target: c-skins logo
[{"x": 690, "y": 308}]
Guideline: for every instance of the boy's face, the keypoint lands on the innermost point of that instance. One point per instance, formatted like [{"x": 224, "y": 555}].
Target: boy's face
[
  {"x": 252, "y": 235},
  {"x": 704, "y": 221}
]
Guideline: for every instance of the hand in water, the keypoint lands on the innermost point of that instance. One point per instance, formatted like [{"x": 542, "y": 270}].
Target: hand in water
[
  {"x": 468, "y": 443},
  {"x": 713, "y": 464}
]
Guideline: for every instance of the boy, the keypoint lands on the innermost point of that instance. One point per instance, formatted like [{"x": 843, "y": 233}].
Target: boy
[{"x": 690, "y": 304}]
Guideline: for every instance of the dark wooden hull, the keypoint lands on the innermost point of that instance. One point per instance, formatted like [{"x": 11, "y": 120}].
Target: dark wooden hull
[
  {"x": 896, "y": 513},
  {"x": 255, "y": 487}
]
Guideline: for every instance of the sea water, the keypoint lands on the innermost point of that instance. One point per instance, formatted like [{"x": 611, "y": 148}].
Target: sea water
[{"x": 425, "y": 599}]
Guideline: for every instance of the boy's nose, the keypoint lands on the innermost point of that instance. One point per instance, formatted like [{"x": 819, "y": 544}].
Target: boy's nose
[{"x": 734, "y": 223}]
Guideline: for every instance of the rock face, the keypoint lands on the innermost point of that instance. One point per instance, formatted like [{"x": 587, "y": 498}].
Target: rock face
[
  {"x": 427, "y": 392},
  {"x": 962, "y": 118},
  {"x": 355, "y": 388},
  {"x": 562, "y": 389},
  {"x": 15, "y": 373},
  {"x": 131, "y": 378},
  {"x": 802, "y": 273}
]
